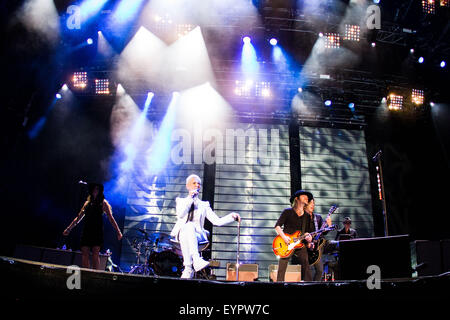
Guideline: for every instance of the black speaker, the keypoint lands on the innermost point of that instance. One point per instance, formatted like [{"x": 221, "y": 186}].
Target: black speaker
[
  {"x": 445, "y": 254},
  {"x": 28, "y": 253},
  {"x": 428, "y": 257},
  {"x": 391, "y": 254},
  {"x": 55, "y": 256}
]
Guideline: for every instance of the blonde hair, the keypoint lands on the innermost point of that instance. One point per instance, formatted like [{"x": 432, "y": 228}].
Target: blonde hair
[{"x": 193, "y": 176}]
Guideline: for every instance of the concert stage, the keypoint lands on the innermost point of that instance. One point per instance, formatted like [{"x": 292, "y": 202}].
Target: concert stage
[{"x": 26, "y": 281}]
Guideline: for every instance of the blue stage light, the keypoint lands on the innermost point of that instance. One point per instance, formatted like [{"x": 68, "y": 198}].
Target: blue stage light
[
  {"x": 442, "y": 64},
  {"x": 58, "y": 96},
  {"x": 421, "y": 60},
  {"x": 328, "y": 103},
  {"x": 246, "y": 40},
  {"x": 150, "y": 96},
  {"x": 90, "y": 8},
  {"x": 273, "y": 41},
  {"x": 89, "y": 41},
  {"x": 126, "y": 10},
  {"x": 249, "y": 60}
]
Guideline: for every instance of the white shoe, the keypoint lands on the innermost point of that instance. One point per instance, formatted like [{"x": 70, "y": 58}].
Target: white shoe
[
  {"x": 188, "y": 273},
  {"x": 200, "y": 264}
]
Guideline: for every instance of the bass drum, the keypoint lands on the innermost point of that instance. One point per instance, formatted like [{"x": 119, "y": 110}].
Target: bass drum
[{"x": 166, "y": 263}]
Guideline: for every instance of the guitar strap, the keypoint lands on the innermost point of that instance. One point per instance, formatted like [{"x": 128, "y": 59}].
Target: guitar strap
[{"x": 316, "y": 223}]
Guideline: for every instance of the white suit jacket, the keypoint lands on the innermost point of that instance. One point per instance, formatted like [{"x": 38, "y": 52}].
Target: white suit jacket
[{"x": 203, "y": 210}]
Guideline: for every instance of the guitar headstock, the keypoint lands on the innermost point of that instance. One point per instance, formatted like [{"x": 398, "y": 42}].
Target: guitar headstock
[{"x": 333, "y": 208}]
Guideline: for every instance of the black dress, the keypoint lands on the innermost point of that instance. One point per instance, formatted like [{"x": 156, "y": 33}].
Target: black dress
[{"x": 93, "y": 225}]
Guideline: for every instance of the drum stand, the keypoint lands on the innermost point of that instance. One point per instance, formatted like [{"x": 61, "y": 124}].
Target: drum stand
[{"x": 139, "y": 268}]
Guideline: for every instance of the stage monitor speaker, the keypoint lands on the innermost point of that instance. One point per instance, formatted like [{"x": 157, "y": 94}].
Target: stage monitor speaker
[
  {"x": 77, "y": 260},
  {"x": 293, "y": 273},
  {"x": 28, "y": 253},
  {"x": 55, "y": 256},
  {"x": 428, "y": 257},
  {"x": 247, "y": 272},
  {"x": 391, "y": 254},
  {"x": 445, "y": 254}
]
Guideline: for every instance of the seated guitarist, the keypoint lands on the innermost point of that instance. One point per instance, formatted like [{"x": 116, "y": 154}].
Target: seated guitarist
[
  {"x": 318, "y": 224},
  {"x": 291, "y": 220}
]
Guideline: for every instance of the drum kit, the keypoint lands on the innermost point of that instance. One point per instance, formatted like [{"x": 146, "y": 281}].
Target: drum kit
[{"x": 156, "y": 255}]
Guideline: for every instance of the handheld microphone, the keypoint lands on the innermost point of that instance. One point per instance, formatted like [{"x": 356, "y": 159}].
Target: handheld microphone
[{"x": 376, "y": 156}]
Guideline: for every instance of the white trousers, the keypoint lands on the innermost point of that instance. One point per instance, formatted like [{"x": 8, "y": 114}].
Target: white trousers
[{"x": 189, "y": 239}]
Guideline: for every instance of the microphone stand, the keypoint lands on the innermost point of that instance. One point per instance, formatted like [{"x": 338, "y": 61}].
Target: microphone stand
[
  {"x": 237, "y": 255},
  {"x": 381, "y": 195}
]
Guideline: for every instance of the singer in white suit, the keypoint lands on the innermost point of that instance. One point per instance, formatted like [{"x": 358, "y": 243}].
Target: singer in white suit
[{"x": 188, "y": 230}]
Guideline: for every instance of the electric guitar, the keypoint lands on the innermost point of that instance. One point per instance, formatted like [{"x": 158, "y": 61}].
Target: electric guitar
[
  {"x": 315, "y": 254},
  {"x": 282, "y": 250}
]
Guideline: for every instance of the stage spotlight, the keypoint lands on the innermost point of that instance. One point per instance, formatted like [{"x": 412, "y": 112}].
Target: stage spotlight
[
  {"x": 351, "y": 106},
  {"x": 120, "y": 90},
  {"x": 89, "y": 41},
  {"x": 80, "y": 80},
  {"x": 442, "y": 64},
  {"x": 273, "y": 41},
  {"x": 150, "y": 96},
  {"x": 421, "y": 60},
  {"x": 320, "y": 34},
  {"x": 417, "y": 96},
  {"x": 90, "y": 8},
  {"x": 432, "y": 104},
  {"x": 65, "y": 87},
  {"x": 183, "y": 29},
  {"x": 243, "y": 88},
  {"x": 262, "y": 89},
  {"x": 429, "y": 6},
  {"x": 328, "y": 103},
  {"x": 332, "y": 40},
  {"x": 58, "y": 96},
  {"x": 373, "y": 44},
  {"x": 352, "y": 32},
  {"x": 246, "y": 40},
  {"x": 102, "y": 86},
  {"x": 299, "y": 90},
  {"x": 411, "y": 50},
  {"x": 395, "y": 102}
]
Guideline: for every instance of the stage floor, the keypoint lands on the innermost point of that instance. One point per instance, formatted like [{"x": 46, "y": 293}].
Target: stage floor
[{"x": 28, "y": 281}]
